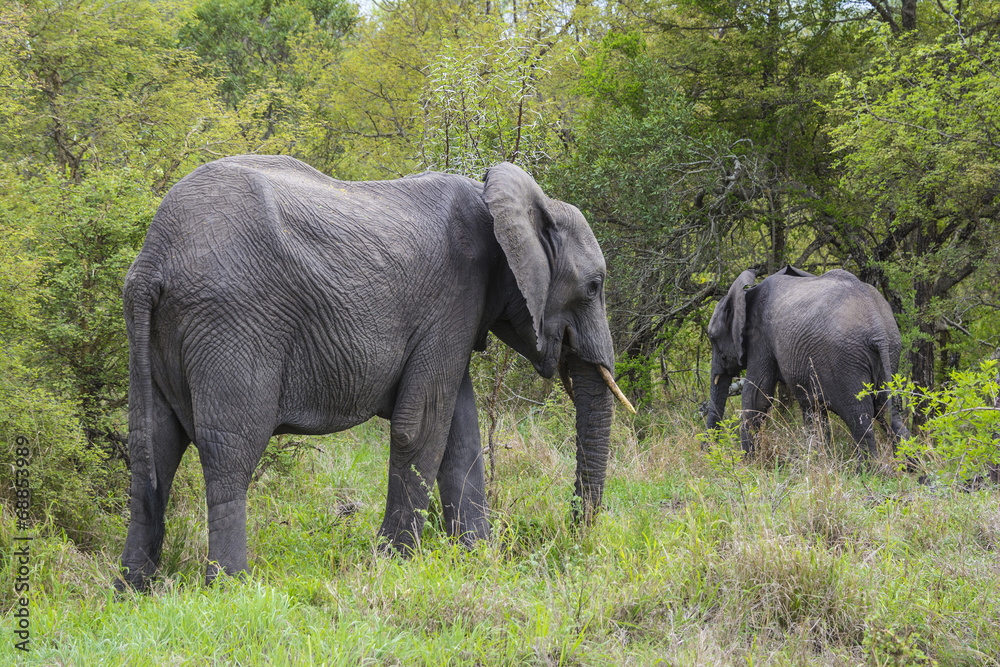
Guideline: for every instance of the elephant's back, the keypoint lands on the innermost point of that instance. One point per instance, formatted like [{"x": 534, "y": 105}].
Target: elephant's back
[
  {"x": 830, "y": 327},
  {"x": 835, "y": 301},
  {"x": 251, "y": 213}
]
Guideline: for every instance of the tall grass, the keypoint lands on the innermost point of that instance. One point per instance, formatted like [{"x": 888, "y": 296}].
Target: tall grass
[{"x": 697, "y": 559}]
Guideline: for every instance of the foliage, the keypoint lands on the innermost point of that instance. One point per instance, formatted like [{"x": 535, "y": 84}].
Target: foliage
[
  {"x": 265, "y": 55},
  {"x": 917, "y": 131},
  {"x": 73, "y": 489},
  {"x": 474, "y": 121},
  {"x": 15, "y": 84},
  {"x": 961, "y": 437},
  {"x": 74, "y": 486},
  {"x": 884, "y": 646},
  {"x": 648, "y": 187},
  {"x": 249, "y": 44},
  {"x": 83, "y": 237},
  {"x": 111, "y": 91},
  {"x": 364, "y": 117},
  {"x": 756, "y": 71},
  {"x": 724, "y": 453},
  {"x": 18, "y": 275},
  {"x": 425, "y": 84}
]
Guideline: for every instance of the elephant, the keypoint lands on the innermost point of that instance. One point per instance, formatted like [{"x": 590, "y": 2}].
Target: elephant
[
  {"x": 269, "y": 298},
  {"x": 824, "y": 336}
]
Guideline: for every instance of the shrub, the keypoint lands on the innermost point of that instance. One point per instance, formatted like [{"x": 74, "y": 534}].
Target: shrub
[
  {"x": 960, "y": 438},
  {"x": 72, "y": 486}
]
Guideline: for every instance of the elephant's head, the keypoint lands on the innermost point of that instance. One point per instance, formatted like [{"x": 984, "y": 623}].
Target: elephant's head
[
  {"x": 559, "y": 270},
  {"x": 726, "y": 332}
]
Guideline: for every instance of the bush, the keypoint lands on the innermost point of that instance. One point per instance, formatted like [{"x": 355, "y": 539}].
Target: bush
[
  {"x": 960, "y": 439},
  {"x": 62, "y": 259},
  {"x": 73, "y": 487},
  {"x": 87, "y": 236}
]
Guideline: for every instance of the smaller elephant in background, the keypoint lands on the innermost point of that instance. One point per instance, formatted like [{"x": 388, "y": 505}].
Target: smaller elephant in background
[{"x": 824, "y": 336}]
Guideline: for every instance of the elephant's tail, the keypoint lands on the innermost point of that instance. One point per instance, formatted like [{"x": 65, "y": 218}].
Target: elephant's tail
[
  {"x": 140, "y": 297},
  {"x": 882, "y": 378},
  {"x": 886, "y": 359},
  {"x": 890, "y": 416}
]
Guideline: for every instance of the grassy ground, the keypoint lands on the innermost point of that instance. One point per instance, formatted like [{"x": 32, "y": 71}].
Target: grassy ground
[{"x": 698, "y": 559}]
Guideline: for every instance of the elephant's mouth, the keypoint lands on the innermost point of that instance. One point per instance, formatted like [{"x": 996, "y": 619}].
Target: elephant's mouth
[{"x": 566, "y": 352}]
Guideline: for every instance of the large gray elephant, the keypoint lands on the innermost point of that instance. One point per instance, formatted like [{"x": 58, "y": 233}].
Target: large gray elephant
[
  {"x": 823, "y": 336},
  {"x": 269, "y": 298}
]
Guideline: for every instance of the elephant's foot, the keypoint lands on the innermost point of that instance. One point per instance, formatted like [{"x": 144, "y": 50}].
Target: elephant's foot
[
  {"x": 139, "y": 558},
  {"x": 217, "y": 573},
  {"x": 130, "y": 580},
  {"x": 386, "y": 546},
  {"x": 468, "y": 533},
  {"x": 400, "y": 537},
  {"x": 466, "y": 519}
]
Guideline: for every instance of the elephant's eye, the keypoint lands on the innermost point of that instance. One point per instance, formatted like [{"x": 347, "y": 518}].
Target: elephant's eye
[{"x": 594, "y": 288}]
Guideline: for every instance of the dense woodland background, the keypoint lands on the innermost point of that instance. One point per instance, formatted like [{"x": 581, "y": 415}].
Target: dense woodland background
[{"x": 699, "y": 137}]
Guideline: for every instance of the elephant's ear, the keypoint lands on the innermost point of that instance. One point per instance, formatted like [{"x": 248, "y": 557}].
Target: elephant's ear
[
  {"x": 797, "y": 273},
  {"x": 525, "y": 232},
  {"x": 733, "y": 309}
]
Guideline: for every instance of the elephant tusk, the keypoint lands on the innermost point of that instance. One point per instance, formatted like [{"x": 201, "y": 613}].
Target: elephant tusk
[
  {"x": 567, "y": 381},
  {"x": 610, "y": 381},
  {"x": 716, "y": 380}
]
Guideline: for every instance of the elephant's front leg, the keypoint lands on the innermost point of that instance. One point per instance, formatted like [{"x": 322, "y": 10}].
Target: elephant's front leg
[
  {"x": 419, "y": 432},
  {"x": 460, "y": 478},
  {"x": 816, "y": 418},
  {"x": 756, "y": 402}
]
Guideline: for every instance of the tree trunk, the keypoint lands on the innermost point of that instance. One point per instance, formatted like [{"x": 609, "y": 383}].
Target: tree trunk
[
  {"x": 908, "y": 15},
  {"x": 922, "y": 353}
]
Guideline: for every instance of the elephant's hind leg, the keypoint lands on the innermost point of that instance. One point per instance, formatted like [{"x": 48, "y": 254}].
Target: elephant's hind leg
[
  {"x": 235, "y": 413},
  {"x": 859, "y": 417},
  {"x": 229, "y": 455},
  {"x": 460, "y": 478},
  {"x": 144, "y": 540}
]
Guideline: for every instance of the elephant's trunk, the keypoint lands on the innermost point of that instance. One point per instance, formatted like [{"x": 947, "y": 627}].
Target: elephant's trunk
[
  {"x": 718, "y": 394},
  {"x": 594, "y": 402}
]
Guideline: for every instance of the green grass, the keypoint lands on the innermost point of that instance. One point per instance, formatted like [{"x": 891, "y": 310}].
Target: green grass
[{"x": 698, "y": 559}]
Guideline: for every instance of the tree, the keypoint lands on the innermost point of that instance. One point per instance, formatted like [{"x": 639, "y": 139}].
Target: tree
[
  {"x": 111, "y": 90},
  {"x": 899, "y": 21},
  {"x": 91, "y": 233},
  {"x": 426, "y": 84},
  {"x": 67, "y": 475},
  {"x": 663, "y": 198},
  {"x": 482, "y": 104},
  {"x": 15, "y": 83},
  {"x": 111, "y": 115},
  {"x": 250, "y": 47},
  {"x": 758, "y": 71},
  {"x": 919, "y": 133},
  {"x": 248, "y": 44},
  {"x": 364, "y": 117}
]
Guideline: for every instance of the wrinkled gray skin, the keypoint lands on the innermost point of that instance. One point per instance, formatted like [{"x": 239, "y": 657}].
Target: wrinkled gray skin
[
  {"x": 823, "y": 336},
  {"x": 269, "y": 298}
]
